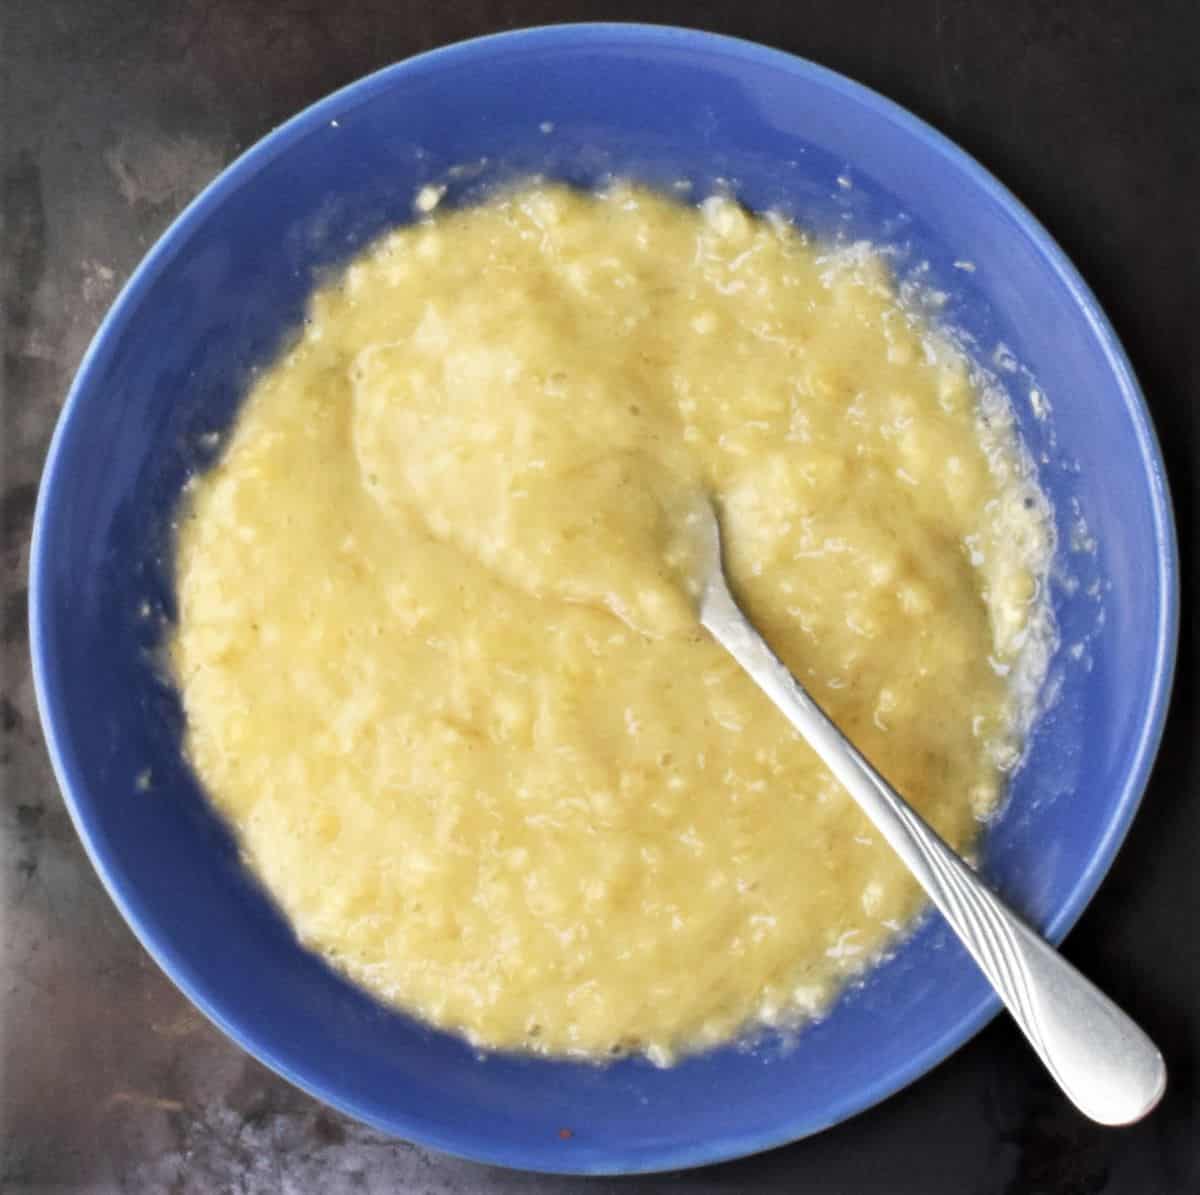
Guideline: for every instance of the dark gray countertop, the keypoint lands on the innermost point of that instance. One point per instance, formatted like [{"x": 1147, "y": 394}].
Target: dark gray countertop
[{"x": 113, "y": 114}]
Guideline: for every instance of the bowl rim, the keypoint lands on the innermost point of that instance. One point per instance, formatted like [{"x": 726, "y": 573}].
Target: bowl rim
[{"x": 460, "y": 1141}]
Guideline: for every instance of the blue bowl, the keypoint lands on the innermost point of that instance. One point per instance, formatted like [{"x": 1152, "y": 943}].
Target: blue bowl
[{"x": 217, "y": 296}]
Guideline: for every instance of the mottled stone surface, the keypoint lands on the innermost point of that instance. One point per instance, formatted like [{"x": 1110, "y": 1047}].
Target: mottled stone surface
[{"x": 113, "y": 114}]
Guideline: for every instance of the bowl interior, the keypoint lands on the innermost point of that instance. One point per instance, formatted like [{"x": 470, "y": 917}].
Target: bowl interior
[{"x": 219, "y": 295}]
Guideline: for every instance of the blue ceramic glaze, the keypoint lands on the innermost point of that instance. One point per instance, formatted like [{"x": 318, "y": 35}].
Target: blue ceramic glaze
[{"x": 219, "y": 294}]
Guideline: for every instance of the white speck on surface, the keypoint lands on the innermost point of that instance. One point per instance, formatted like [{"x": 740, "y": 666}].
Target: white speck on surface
[
  {"x": 844, "y": 182},
  {"x": 659, "y": 1055},
  {"x": 547, "y": 127},
  {"x": 845, "y": 946},
  {"x": 967, "y": 267},
  {"x": 1004, "y": 359},
  {"x": 428, "y": 197},
  {"x": 1081, "y": 538},
  {"x": 872, "y": 897}
]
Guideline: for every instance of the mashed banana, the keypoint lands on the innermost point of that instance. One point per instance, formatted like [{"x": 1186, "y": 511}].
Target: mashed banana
[{"x": 437, "y": 645}]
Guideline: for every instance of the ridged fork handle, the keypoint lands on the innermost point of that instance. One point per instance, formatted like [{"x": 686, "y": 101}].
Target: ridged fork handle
[{"x": 1105, "y": 1064}]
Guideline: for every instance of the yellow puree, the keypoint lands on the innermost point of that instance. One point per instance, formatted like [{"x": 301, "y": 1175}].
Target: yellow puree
[{"x": 437, "y": 647}]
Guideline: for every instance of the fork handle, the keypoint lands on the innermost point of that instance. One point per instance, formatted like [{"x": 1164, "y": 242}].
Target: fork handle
[{"x": 1104, "y": 1062}]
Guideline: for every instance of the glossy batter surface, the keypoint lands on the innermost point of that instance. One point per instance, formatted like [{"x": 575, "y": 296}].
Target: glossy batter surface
[{"x": 437, "y": 645}]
